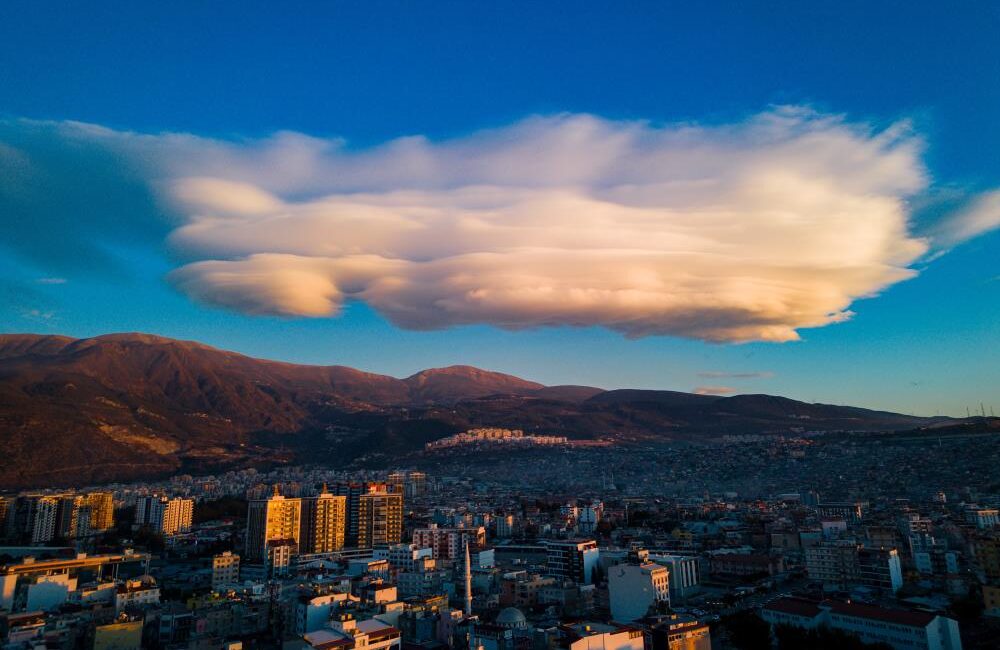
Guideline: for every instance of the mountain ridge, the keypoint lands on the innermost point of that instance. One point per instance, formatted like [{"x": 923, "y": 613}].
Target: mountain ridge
[{"x": 132, "y": 405}]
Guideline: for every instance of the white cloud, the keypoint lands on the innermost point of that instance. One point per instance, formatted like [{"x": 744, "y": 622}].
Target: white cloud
[
  {"x": 980, "y": 216},
  {"x": 713, "y": 390},
  {"x": 729, "y": 233},
  {"x": 740, "y": 232}
]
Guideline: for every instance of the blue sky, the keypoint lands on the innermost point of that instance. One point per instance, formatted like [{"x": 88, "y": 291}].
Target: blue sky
[{"x": 89, "y": 249}]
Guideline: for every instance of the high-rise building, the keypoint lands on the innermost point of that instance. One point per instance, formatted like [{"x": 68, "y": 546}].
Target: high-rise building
[
  {"x": 380, "y": 519},
  {"x": 168, "y": 516},
  {"x": 177, "y": 516},
  {"x": 505, "y": 526},
  {"x": 102, "y": 510},
  {"x": 44, "y": 514},
  {"x": 68, "y": 517},
  {"x": 147, "y": 510},
  {"x": 324, "y": 521},
  {"x": 416, "y": 484},
  {"x": 272, "y": 519},
  {"x": 33, "y": 518},
  {"x": 352, "y": 493},
  {"x": 572, "y": 559},
  {"x": 374, "y": 514}
]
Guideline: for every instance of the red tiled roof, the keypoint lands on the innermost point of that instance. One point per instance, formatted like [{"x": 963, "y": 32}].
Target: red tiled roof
[
  {"x": 795, "y": 606},
  {"x": 895, "y": 616}
]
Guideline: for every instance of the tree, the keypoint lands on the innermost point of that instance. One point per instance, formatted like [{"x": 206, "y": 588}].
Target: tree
[
  {"x": 968, "y": 608},
  {"x": 747, "y": 631},
  {"x": 220, "y": 508},
  {"x": 822, "y": 638}
]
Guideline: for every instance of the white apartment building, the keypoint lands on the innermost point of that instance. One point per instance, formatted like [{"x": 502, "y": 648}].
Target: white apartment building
[
  {"x": 902, "y": 630},
  {"x": 634, "y": 588},
  {"x": 684, "y": 574},
  {"x": 169, "y": 516}
]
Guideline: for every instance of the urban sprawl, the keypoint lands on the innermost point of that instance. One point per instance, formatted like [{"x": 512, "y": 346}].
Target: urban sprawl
[{"x": 500, "y": 540}]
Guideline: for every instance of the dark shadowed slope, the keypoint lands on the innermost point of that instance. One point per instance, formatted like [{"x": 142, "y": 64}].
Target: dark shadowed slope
[{"x": 125, "y": 406}]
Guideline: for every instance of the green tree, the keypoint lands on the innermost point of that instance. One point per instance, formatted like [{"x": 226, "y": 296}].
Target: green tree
[{"x": 747, "y": 631}]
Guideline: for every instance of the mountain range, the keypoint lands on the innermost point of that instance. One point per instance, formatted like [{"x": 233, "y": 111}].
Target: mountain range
[{"x": 132, "y": 406}]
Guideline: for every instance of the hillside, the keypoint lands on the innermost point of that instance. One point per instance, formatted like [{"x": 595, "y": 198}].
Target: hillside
[{"x": 125, "y": 406}]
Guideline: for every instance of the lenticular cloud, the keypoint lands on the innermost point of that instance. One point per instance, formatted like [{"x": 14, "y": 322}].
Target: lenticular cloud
[{"x": 743, "y": 232}]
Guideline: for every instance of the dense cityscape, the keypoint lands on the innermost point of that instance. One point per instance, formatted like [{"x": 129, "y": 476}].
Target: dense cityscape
[
  {"x": 451, "y": 325},
  {"x": 859, "y": 541}
]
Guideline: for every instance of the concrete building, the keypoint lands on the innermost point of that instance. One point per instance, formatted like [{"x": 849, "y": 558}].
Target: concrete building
[
  {"x": 345, "y": 633},
  {"x": 278, "y": 554},
  {"x": 312, "y": 613},
  {"x": 177, "y": 516},
  {"x": 120, "y": 635},
  {"x": 851, "y": 511},
  {"x": 678, "y": 632},
  {"x": 684, "y": 574},
  {"x": 983, "y": 518},
  {"x": 588, "y": 517},
  {"x": 380, "y": 519},
  {"x": 268, "y": 520},
  {"x": 43, "y": 519},
  {"x": 600, "y": 636},
  {"x": 17, "y": 580},
  {"x": 374, "y": 514},
  {"x": 406, "y": 557},
  {"x": 902, "y": 630},
  {"x": 168, "y": 516},
  {"x": 634, "y": 588},
  {"x": 324, "y": 522},
  {"x": 522, "y": 589},
  {"x": 449, "y": 543},
  {"x": 102, "y": 510},
  {"x": 225, "y": 570},
  {"x": 68, "y": 519},
  {"x": 572, "y": 559},
  {"x": 506, "y": 525},
  {"x": 991, "y": 600},
  {"x": 136, "y": 594},
  {"x": 844, "y": 563}
]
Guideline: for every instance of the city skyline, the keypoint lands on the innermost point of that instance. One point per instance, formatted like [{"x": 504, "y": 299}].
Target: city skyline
[{"x": 662, "y": 197}]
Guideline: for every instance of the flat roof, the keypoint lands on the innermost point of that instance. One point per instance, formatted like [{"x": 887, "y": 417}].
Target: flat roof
[{"x": 70, "y": 563}]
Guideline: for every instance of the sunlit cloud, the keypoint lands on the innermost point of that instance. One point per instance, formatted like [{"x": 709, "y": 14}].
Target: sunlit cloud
[
  {"x": 713, "y": 390},
  {"x": 749, "y": 231}
]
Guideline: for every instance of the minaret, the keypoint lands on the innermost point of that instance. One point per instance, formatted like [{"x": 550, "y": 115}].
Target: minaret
[{"x": 468, "y": 581}]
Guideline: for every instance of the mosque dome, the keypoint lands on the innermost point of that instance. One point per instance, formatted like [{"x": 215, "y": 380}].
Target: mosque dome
[{"x": 512, "y": 617}]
